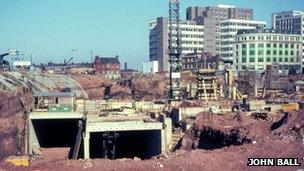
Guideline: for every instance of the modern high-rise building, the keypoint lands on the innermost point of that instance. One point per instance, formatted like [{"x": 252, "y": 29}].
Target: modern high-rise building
[
  {"x": 219, "y": 12},
  {"x": 256, "y": 49},
  {"x": 192, "y": 40},
  {"x": 291, "y": 22},
  {"x": 210, "y": 17},
  {"x": 229, "y": 29}
]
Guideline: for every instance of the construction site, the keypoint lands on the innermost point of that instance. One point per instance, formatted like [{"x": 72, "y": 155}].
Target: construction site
[{"x": 206, "y": 119}]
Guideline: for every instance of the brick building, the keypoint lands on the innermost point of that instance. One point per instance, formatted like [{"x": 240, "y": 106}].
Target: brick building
[
  {"x": 195, "y": 61},
  {"x": 107, "y": 66}
]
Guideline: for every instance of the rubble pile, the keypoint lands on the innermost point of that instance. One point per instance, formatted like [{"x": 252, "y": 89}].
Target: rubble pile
[{"x": 290, "y": 126}]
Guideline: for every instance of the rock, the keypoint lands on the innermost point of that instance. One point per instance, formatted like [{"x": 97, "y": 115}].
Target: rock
[
  {"x": 87, "y": 164},
  {"x": 136, "y": 159},
  {"x": 160, "y": 165},
  {"x": 37, "y": 151}
]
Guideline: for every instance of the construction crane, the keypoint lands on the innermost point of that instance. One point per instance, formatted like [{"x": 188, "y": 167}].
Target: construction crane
[
  {"x": 68, "y": 61},
  {"x": 174, "y": 50},
  {"x": 4, "y": 63}
]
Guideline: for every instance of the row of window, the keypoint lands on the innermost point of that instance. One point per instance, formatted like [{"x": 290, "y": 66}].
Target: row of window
[
  {"x": 240, "y": 24},
  {"x": 192, "y": 29},
  {"x": 262, "y": 67},
  {"x": 269, "y": 45},
  {"x": 267, "y": 59},
  {"x": 281, "y": 38},
  {"x": 268, "y": 52}
]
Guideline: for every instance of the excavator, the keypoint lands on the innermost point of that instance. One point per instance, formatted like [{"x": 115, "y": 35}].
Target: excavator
[{"x": 3, "y": 63}]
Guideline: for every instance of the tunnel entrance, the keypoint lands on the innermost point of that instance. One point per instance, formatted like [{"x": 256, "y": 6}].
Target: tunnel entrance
[
  {"x": 57, "y": 133},
  {"x": 129, "y": 144},
  {"x": 210, "y": 139}
]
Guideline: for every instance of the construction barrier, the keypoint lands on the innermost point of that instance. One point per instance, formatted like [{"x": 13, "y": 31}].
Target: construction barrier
[
  {"x": 290, "y": 107},
  {"x": 18, "y": 160}
]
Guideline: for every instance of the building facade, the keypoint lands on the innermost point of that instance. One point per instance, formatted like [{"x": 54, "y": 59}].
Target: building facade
[
  {"x": 289, "y": 21},
  {"x": 256, "y": 49},
  {"x": 196, "y": 61},
  {"x": 229, "y": 29},
  {"x": 109, "y": 67},
  {"x": 210, "y": 17},
  {"x": 150, "y": 67},
  {"x": 192, "y": 40}
]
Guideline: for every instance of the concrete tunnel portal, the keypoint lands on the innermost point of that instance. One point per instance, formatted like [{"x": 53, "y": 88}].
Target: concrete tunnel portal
[{"x": 58, "y": 133}]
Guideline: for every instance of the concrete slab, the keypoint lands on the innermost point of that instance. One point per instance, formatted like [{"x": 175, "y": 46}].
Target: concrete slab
[{"x": 55, "y": 115}]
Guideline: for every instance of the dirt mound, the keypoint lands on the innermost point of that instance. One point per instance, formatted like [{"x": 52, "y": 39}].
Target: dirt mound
[
  {"x": 149, "y": 87},
  {"x": 291, "y": 125},
  {"x": 211, "y": 131}
]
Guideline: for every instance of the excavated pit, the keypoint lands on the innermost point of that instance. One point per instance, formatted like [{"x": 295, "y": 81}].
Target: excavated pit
[
  {"x": 129, "y": 144},
  {"x": 210, "y": 139}
]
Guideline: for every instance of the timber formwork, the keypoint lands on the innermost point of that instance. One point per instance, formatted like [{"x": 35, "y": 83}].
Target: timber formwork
[{"x": 207, "y": 87}]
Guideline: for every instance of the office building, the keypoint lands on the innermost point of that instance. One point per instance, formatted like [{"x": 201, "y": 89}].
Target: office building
[
  {"x": 229, "y": 29},
  {"x": 290, "y": 22},
  {"x": 256, "y": 49},
  {"x": 210, "y": 17},
  {"x": 192, "y": 40}
]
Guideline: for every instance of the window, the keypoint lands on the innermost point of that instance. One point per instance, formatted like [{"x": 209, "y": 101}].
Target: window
[
  {"x": 268, "y": 52},
  {"x": 291, "y": 59},
  {"x": 274, "y": 45},
  {"x": 286, "y": 60},
  {"x": 274, "y": 52},
  {"x": 280, "y": 52},
  {"x": 260, "y": 59},
  {"x": 268, "y": 59},
  {"x": 280, "y": 59},
  {"x": 268, "y": 45},
  {"x": 243, "y": 46},
  {"x": 260, "y": 52},
  {"x": 252, "y": 46},
  {"x": 274, "y": 59},
  {"x": 252, "y": 59},
  {"x": 281, "y": 45},
  {"x": 252, "y": 52},
  {"x": 292, "y": 53},
  {"x": 286, "y": 52},
  {"x": 244, "y": 60},
  {"x": 261, "y": 45}
]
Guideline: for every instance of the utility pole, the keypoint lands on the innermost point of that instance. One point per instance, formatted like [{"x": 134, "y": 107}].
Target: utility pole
[
  {"x": 175, "y": 50},
  {"x": 91, "y": 56}
]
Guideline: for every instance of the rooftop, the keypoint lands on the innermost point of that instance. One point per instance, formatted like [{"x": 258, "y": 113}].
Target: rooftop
[
  {"x": 274, "y": 31},
  {"x": 54, "y": 94},
  {"x": 107, "y": 60}
]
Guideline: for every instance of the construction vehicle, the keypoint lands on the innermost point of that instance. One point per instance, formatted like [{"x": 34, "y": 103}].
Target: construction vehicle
[{"x": 244, "y": 106}]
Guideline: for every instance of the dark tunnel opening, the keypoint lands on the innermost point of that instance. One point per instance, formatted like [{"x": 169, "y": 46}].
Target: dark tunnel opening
[
  {"x": 56, "y": 133},
  {"x": 210, "y": 139},
  {"x": 129, "y": 144}
]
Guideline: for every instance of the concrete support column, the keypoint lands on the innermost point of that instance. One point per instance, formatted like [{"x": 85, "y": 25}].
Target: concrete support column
[
  {"x": 33, "y": 143},
  {"x": 86, "y": 145},
  {"x": 168, "y": 134},
  {"x": 163, "y": 141}
]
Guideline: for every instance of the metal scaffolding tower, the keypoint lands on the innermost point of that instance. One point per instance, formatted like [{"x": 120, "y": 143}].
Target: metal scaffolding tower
[{"x": 175, "y": 50}]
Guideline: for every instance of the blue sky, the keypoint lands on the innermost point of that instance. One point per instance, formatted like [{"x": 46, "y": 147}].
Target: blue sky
[{"x": 50, "y": 29}]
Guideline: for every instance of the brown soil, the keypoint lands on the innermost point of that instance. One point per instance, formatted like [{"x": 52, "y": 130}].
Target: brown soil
[{"x": 262, "y": 142}]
